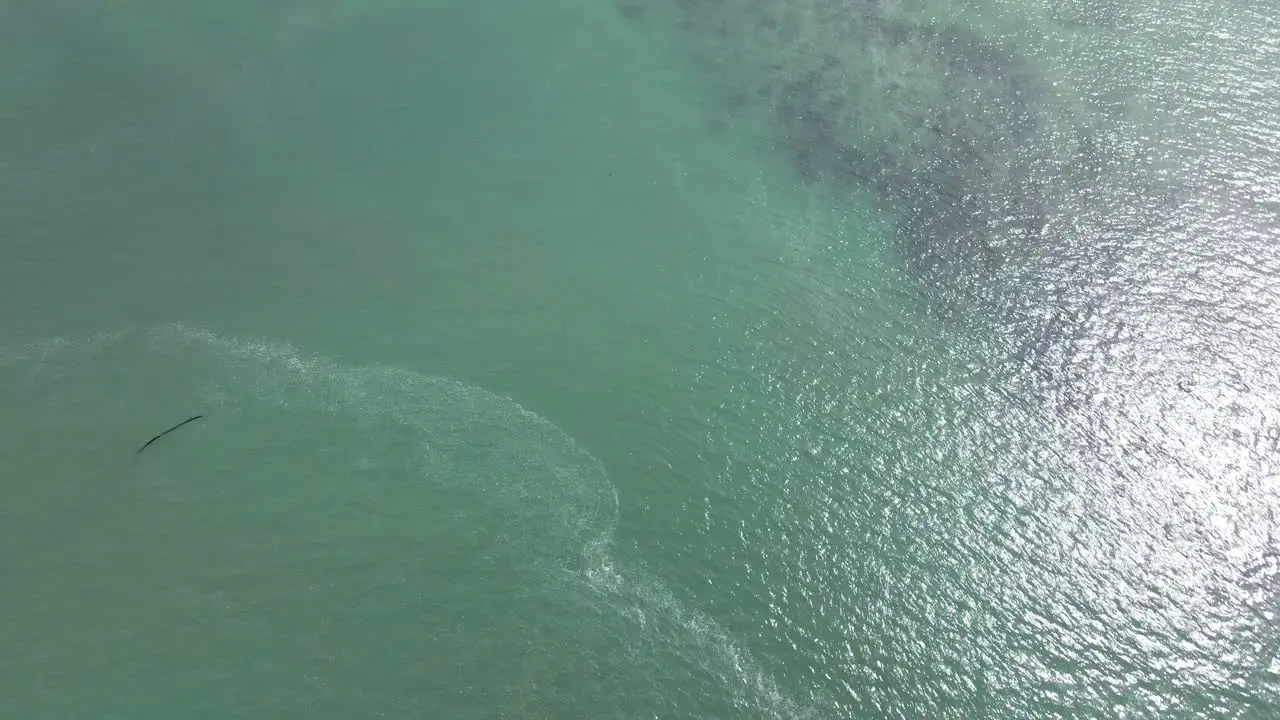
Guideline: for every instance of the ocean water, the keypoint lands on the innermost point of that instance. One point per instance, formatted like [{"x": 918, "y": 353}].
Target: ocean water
[{"x": 653, "y": 358}]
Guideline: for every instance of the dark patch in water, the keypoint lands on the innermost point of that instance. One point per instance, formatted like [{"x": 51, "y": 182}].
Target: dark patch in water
[{"x": 959, "y": 135}]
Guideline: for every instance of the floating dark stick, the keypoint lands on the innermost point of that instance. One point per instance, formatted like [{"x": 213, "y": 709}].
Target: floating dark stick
[{"x": 166, "y": 432}]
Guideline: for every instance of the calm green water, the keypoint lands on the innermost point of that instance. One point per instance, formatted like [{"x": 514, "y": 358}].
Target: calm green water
[{"x": 803, "y": 359}]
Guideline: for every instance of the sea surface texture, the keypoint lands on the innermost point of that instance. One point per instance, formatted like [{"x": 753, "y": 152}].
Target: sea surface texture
[{"x": 639, "y": 359}]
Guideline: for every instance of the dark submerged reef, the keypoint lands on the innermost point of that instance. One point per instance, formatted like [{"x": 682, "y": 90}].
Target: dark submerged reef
[{"x": 959, "y": 133}]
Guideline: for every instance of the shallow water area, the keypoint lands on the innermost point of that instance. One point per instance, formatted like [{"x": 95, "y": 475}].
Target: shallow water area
[{"x": 669, "y": 358}]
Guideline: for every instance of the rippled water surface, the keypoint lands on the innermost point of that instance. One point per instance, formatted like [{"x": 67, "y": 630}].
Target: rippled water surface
[{"x": 648, "y": 358}]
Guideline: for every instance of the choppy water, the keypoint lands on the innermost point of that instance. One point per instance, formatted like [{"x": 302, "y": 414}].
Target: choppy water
[{"x": 670, "y": 358}]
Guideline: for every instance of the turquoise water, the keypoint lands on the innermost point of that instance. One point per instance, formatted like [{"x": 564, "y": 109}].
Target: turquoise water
[{"x": 669, "y": 359}]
